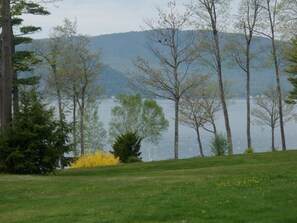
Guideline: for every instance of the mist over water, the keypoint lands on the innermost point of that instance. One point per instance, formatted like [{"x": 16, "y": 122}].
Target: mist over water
[{"x": 261, "y": 135}]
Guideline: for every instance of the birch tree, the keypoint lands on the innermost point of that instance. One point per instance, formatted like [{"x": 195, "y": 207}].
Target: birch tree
[
  {"x": 271, "y": 29},
  {"x": 213, "y": 15},
  {"x": 242, "y": 52}
]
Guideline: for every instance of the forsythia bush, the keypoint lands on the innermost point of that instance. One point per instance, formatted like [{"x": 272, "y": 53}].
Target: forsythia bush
[{"x": 95, "y": 159}]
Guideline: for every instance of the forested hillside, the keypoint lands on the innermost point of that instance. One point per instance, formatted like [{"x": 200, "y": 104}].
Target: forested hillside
[{"x": 119, "y": 50}]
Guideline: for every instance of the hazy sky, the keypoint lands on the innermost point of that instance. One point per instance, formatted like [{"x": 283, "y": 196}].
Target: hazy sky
[{"x": 97, "y": 17}]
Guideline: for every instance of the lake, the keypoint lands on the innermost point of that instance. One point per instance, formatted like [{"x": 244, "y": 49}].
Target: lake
[{"x": 261, "y": 135}]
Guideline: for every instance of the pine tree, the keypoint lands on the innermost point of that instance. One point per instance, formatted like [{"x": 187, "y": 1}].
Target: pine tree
[{"x": 36, "y": 142}]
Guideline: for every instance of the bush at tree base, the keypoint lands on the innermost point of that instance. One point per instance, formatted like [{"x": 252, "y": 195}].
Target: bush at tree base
[
  {"x": 127, "y": 147},
  {"x": 219, "y": 145},
  {"x": 35, "y": 142}
]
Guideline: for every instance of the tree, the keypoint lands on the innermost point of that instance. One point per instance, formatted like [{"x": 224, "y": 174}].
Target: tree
[
  {"x": 6, "y": 68},
  {"x": 142, "y": 117},
  {"x": 211, "y": 15},
  {"x": 241, "y": 51},
  {"x": 35, "y": 143},
  {"x": 24, "y": 60},
  {"x": 291, "y": 55},
  {"x": 94, "y": 131},
  {"x": 174, "y": 51},
  {"x": 127, "y": 147},
  {"x": 267, "y": 111},
  {"x": 271, "y": 28},
  {"x": 288, "y": 18},
  {"x": 200, "y": 106},
  {"x": 74, "y": 73}
]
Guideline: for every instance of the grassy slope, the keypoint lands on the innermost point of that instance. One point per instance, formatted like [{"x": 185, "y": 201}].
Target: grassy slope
[{"x": 242, "y": 188}]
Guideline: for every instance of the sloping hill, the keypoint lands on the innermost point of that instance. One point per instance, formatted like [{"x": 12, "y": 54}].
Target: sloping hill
[
  {"x": 119, "y": 50},
  {"x": 230, "y": 189}
]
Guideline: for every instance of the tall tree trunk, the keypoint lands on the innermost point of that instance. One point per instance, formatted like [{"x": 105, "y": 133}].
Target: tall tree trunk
[
  {"x": 272, "y": 15},
  {"x": 199, "y": 142},
  {"x": 248, "y": 95},
  {"x": 222, "y": 93},
  {"x": 6, "y": 62},
  {"x": 280, "y": 100},
  {"x": 74, "y": 125},
  {"x": 272, "y": 139},
  {"x": 82, "y": 135},
  {"x": 15, "y": 86},
  {"x": 176, "y": 129}
]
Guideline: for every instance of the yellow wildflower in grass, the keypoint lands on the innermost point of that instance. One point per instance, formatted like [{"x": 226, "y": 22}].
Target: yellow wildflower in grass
[{"x": 95, "y": 159}]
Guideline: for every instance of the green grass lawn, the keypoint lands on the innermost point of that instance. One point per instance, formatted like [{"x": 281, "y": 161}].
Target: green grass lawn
[{"x": 241, "y": 188}]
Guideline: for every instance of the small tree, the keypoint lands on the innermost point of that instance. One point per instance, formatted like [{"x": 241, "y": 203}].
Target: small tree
[
  {"x": 200, "y": 106},
  {"x": 267, "y": 112},
  {"x": 95, "y": 134},
  {"x": 35, "y": 142},
  {"x": 219, "y": 145},
  {"x": 127, "y": 147},
  {"x": 142, "y": 117}
]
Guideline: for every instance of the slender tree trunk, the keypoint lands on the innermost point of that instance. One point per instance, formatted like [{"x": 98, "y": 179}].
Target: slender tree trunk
[
  {"x": 74, "y": 124},
  {"x": 176, "y": 133},
  {"x": 15, "y": 86},
  {"x": 272, "y": 139},
  {"x": 214, "y": 127},
  {"x": 280, "y": 100},
  {"x": 276, "y": 66},
  {"x": 222, "y": 93},
  {"x": 248, "y": 101},
  {"x": 82, "y": 135},
  {"x": 199, "y": 142},
  {"x": 6, "y": 62}
]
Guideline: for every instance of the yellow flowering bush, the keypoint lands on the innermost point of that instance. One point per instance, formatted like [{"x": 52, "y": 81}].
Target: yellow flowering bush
[{"x": 95, "y": 159}]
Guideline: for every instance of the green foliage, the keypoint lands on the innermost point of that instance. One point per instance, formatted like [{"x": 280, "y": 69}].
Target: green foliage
[
  {"x": 95, "y": 134},
  {"x": 292, "y": 69},
  {"x": 127, "y": 147},
  {"x": 249, "y": 150},
  {"x": 219, "y": 145},
  {"x": 144, "y": 117},
  {"x": 35, "y": 143}
]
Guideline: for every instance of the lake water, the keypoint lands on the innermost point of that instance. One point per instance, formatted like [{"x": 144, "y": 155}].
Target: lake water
[{"x": 261, "y": 135}]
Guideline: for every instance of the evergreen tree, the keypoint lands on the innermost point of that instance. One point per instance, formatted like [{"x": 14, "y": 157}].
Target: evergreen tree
[
  {"x": 35, "y": 143},
  {"x": 292, "y": 69},
  {"x": 23, "y": 60},
  {"x": 127, "y": 147}
]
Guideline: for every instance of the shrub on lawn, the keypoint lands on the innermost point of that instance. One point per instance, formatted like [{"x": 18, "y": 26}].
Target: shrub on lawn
[
  {"x": 249, "y": 150},
  {"x": 127, "y": 148},
  {"x": 95, "y": 159},
  {"x": 219, "y": 145}
]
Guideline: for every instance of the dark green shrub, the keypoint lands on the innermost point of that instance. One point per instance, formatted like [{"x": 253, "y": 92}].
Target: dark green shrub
[
  {"x": 219, "y": 145},
  {"x": 127, "y": 147},
  {"x": 35, "y": 142}
]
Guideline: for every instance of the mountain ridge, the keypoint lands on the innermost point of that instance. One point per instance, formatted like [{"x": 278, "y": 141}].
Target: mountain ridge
[{"x": 118, "y": 51}]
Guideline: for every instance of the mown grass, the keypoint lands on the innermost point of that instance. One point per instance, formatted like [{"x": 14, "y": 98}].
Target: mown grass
[{"x": 241, "y": 188}]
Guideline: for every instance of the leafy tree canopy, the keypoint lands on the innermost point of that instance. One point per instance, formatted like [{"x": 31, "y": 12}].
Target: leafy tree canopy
[{"x": 143, "y": 117}]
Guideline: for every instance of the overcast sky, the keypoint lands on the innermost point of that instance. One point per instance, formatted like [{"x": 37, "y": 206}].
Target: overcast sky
[{"x": 97, "y": 17}]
